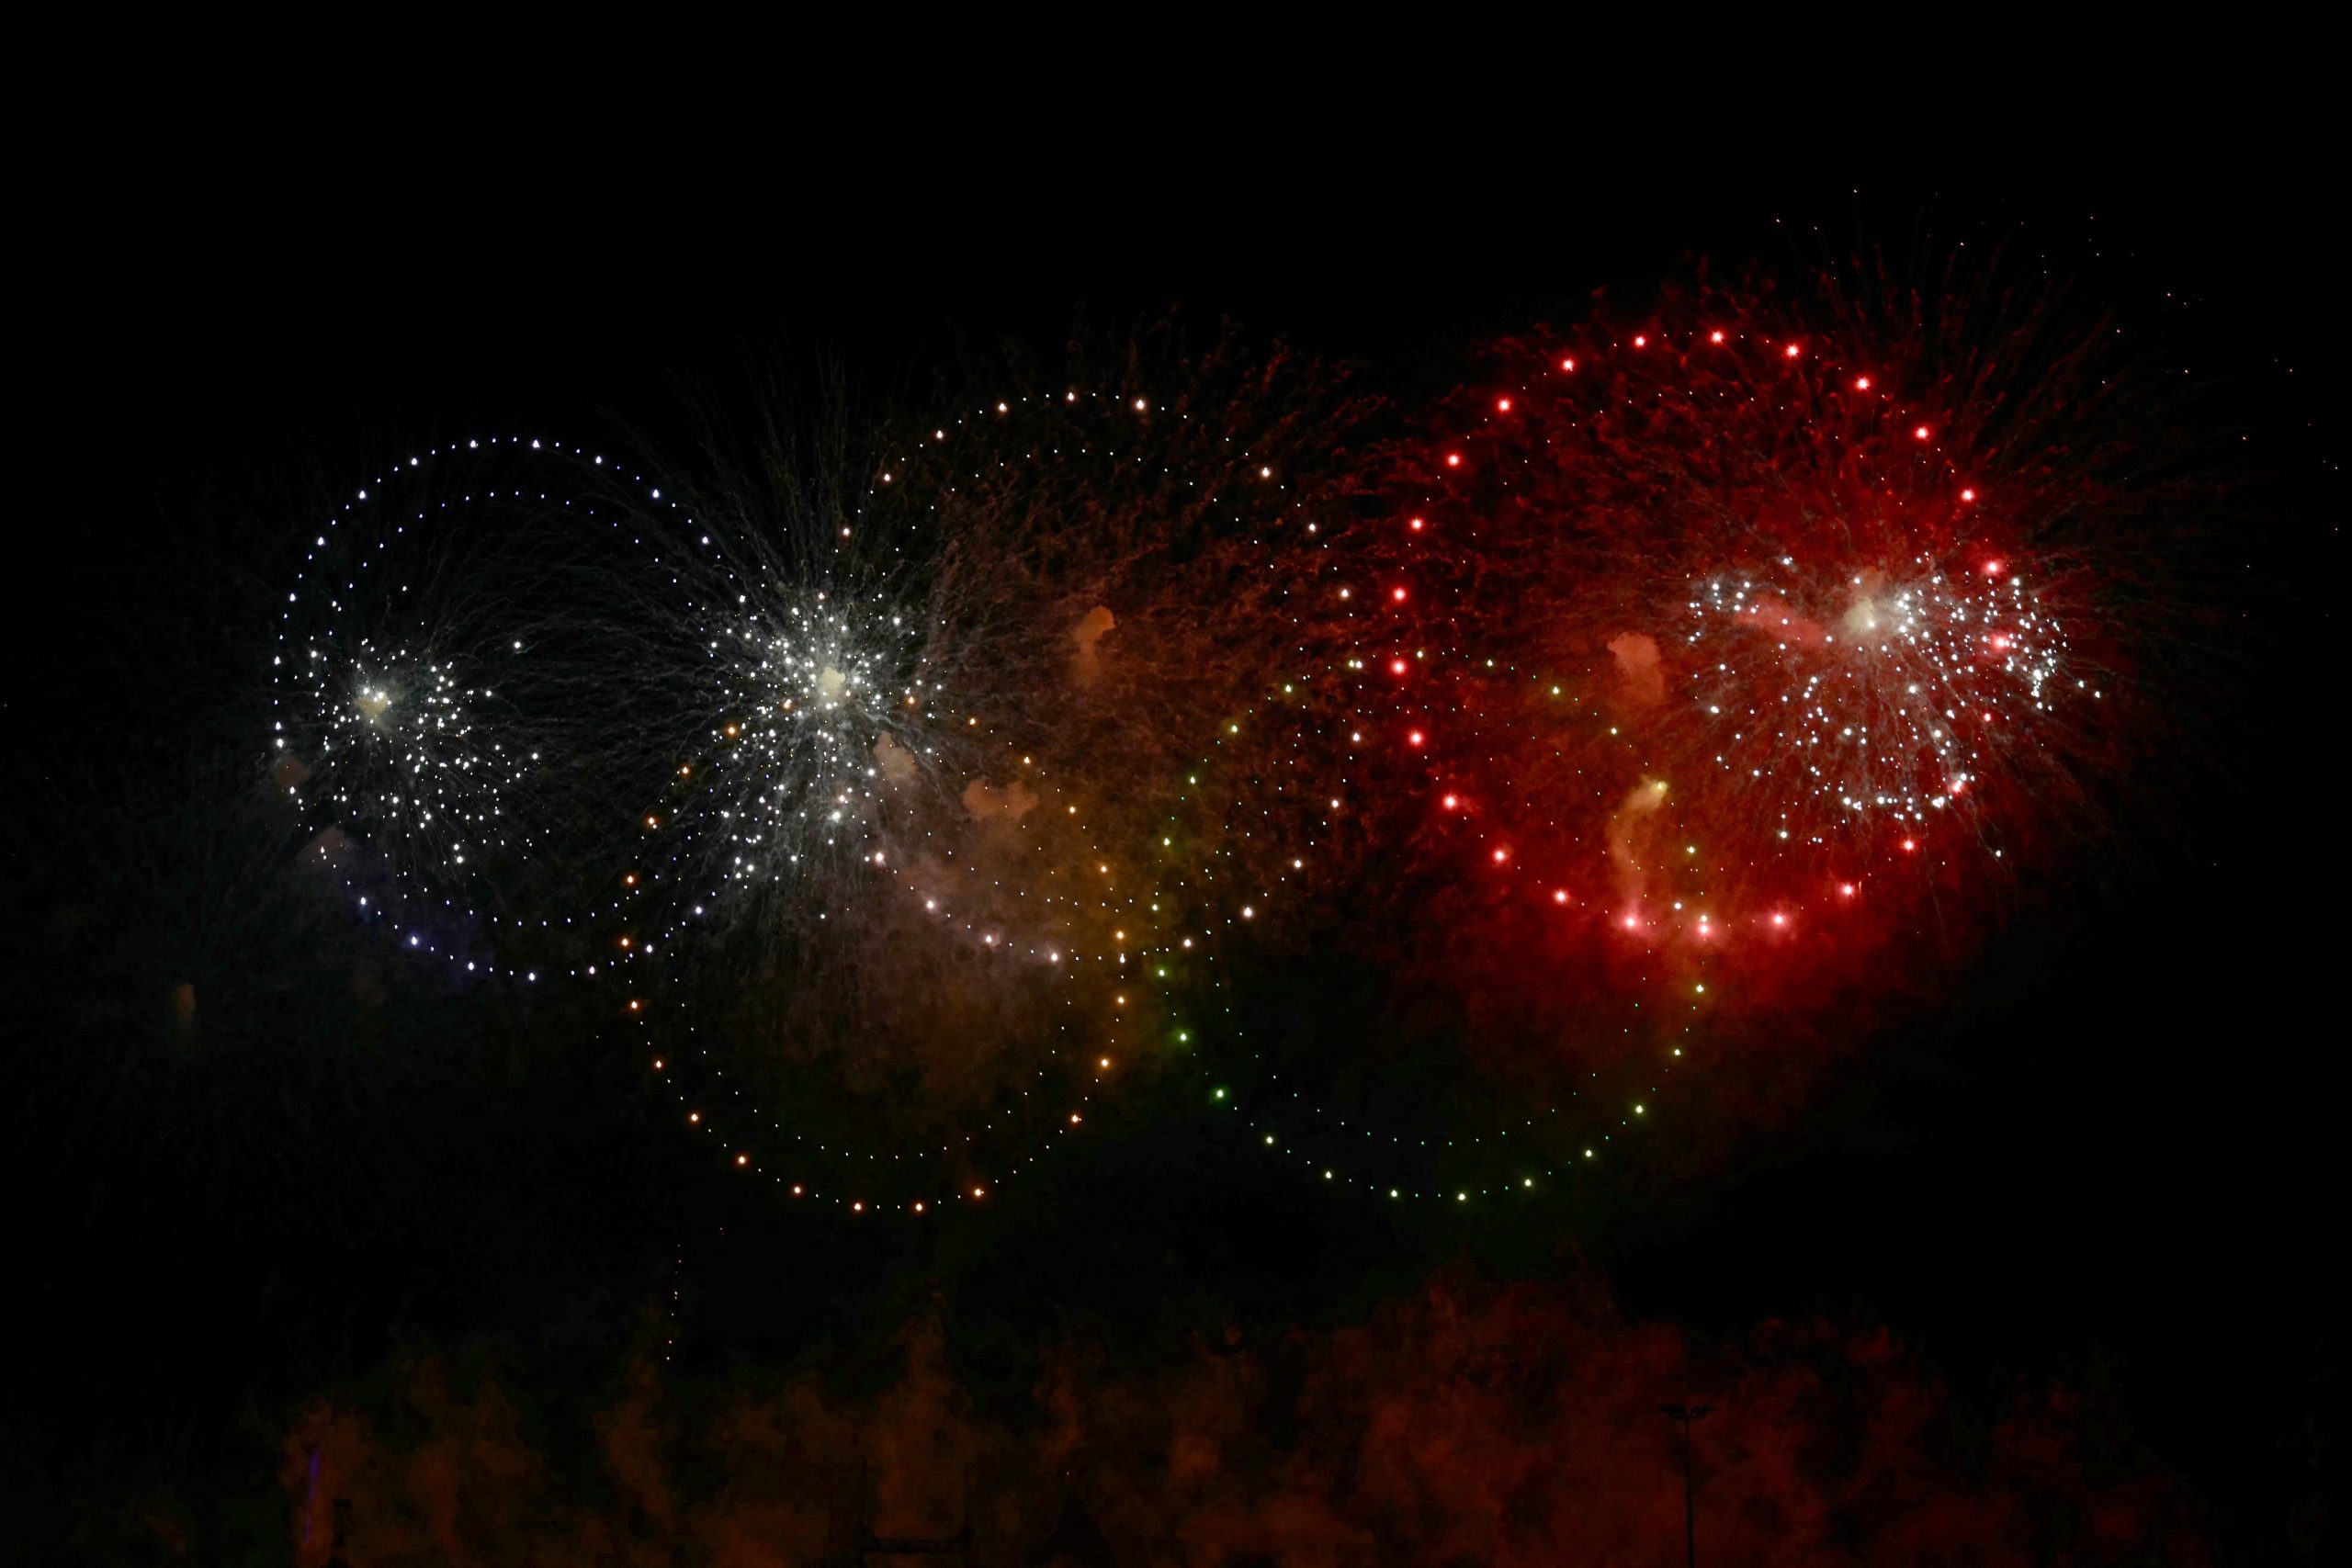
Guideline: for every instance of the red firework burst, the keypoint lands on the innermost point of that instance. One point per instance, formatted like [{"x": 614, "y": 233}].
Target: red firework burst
[{"x": 1723, "y": 651}]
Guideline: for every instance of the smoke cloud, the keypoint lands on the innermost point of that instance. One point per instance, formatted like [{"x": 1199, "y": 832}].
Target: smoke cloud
[{"x": 1469, "y": 1423}]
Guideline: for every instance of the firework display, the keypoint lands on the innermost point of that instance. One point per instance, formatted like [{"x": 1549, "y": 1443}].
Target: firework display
[
  {"x": 916, "y": 788},
  {"x": 1715, "y": 669},
  {"x": 959, "y": 824},
  {"x": 1832, "y": 592},
  {"x": 442, "y": 693}
]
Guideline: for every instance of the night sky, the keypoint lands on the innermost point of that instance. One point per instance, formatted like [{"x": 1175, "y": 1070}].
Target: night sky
[{"x": 2073, "y": 1185}]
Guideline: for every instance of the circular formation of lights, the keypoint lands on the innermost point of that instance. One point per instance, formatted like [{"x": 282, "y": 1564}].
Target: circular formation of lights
[
  {"x": 439, "y": 690},
  {"x": 1654, "y": 686}
]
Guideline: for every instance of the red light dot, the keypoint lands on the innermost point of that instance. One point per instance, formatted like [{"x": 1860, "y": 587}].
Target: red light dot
[
  {"x": 1414, "y": 739},
  {"x": 1992, "y": 569},
  {"x": 1454, "y": 459},
  {"x": 1501, "y": 855},
  {"x": 1395, "y": 667},
  {"x": 1568, "y": 364},
  {"x": 1503, "y": 404},
  {"x": 1968, "y": 495},
  {"x": 1921, "y": 433},
  {"x": 1714, "y": 337},
  {"x": 1846, "y": 888},
  {"x": 1779, "y": 920},
  {"x": 1633, "y": 923},
  {"x": 1451, "y": 801},
  {"x": 1640, "y": 342},
  {"x": 1419, "y": 525},
  {"x": 1398, "y": 594},
  {"x": 1791, "y": 351},
  {"x": 1560, "y": 895},
  {"x": 1862, "y": 383},
  {"x": 1910, "y": 845}
]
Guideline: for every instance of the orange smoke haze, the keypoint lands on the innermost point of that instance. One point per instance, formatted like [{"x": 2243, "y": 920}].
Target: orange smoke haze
[{"x": 1507, "y": 1425}]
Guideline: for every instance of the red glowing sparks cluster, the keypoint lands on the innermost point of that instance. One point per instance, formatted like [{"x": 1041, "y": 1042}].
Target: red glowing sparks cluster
[{"x": 1716, "y": 641}]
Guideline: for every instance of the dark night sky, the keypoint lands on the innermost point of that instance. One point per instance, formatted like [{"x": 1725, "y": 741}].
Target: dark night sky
[{"x": 2106, "y": 1162}]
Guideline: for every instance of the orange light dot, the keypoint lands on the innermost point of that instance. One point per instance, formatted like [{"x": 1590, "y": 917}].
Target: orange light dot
[
  {"x": 657, "y": 1063},
  {"x": 979, "y": 1191},
  {"x": 795, "y": 1189},
  {"x": 1073, "y": 1118},
  {"x": 694, "y": 1118},
  {"x": 742, "y": 1159},
  {"x": 919, "y": 1201},
  {"x": 634, "y": 1004},
  {"x": 1104, "y": 1064},
  {"x": 858, "y": 1207}
]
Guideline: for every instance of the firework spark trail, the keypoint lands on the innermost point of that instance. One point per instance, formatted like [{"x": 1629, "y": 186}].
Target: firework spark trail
[
  {"x": 443, "y": 688},
  {"x": 1715, "y": 666},
  {"x": 1831, "y": 607},
  {"x": 960, "y": 818}
]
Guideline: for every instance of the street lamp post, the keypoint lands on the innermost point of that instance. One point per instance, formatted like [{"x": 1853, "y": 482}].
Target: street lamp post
[{"x": 1683, "y": 1415}]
